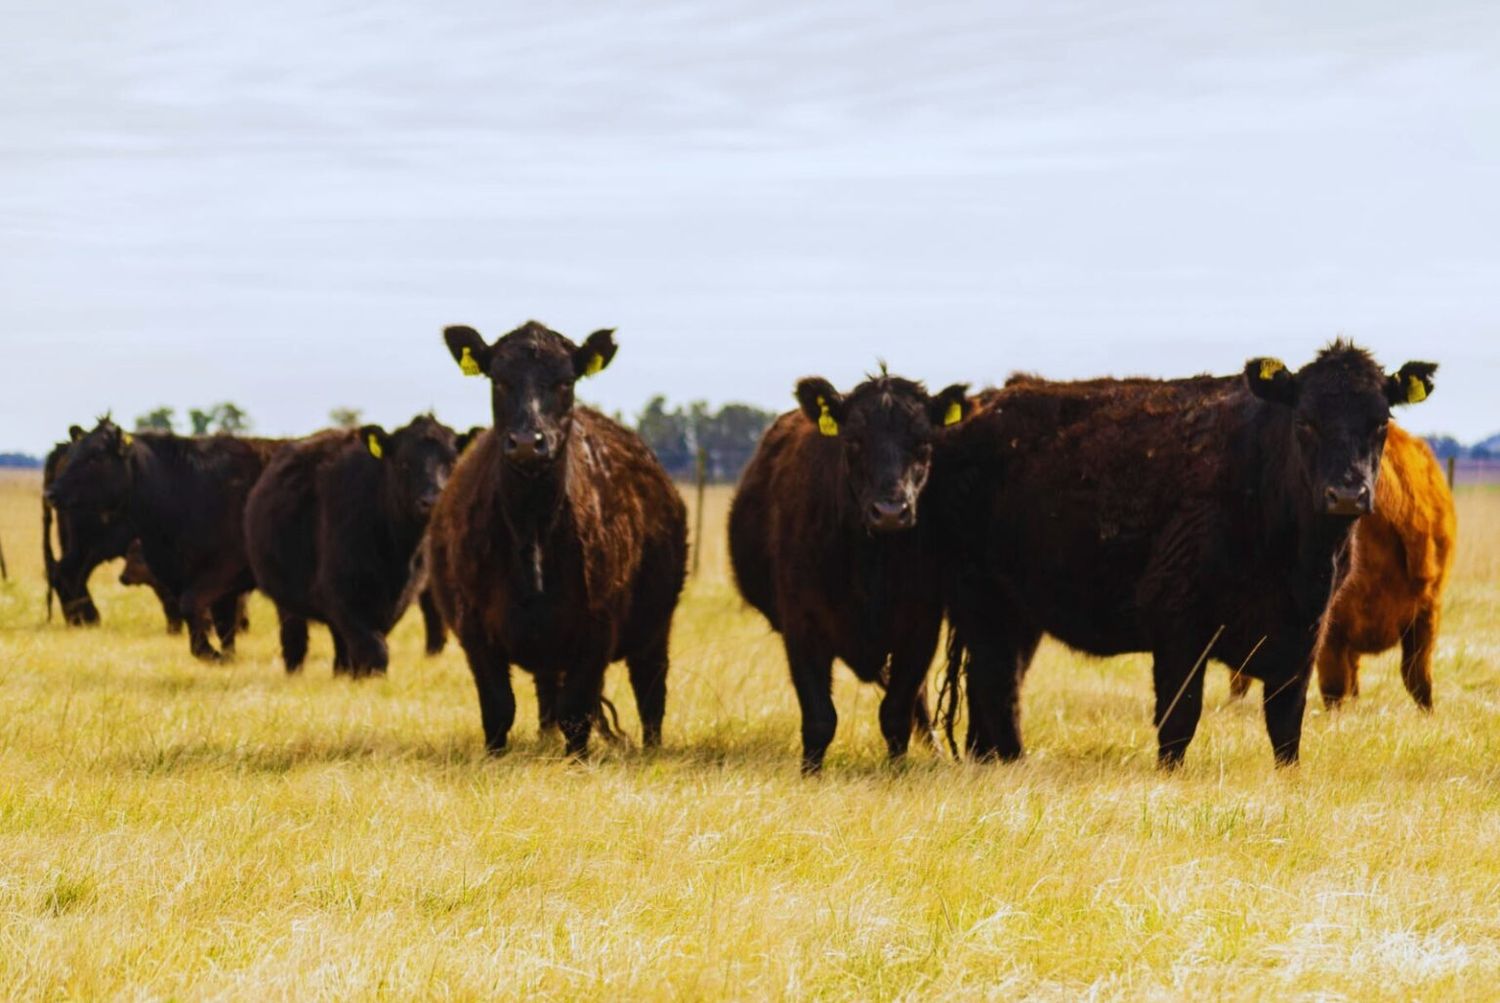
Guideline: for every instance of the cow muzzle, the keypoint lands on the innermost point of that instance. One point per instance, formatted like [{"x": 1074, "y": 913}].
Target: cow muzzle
[
  {"x": 890, "y": 516},
  {"x": 527, "y": 448},
  {"x": 1355, "y": 500}
]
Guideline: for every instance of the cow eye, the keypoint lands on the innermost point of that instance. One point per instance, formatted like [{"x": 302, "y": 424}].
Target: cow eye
[{"x": 1307, "y": 425}]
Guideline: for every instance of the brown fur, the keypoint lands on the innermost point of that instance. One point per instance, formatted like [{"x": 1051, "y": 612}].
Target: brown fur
[
  {"x": 1402, "y": 555},
  {"x": 610, "y": 538}
]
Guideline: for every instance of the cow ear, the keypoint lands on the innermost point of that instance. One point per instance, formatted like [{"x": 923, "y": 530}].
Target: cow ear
[
  {"x": 821, "y": 403},
  {"x": 375, "y": 440},
  {"x": 75, "y": 432},
  {"x": 1411, "y": 384},
  {"x": 1270, "y": 380},
  {"x": 595, "y": 353},
  {"x": 468, "y": 348},
  {"x": 950, "y": 406}
]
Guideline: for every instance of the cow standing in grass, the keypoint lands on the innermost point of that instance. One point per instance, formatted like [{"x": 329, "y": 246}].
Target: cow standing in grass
[
  {"x": 333, "y": 530},
  {"x": 1403, "y": 553},
  {"x": 826, "y": 543},
  {"x": 1194, "y": 519},
  {"x": 560, "y": 544},
  {"x": 86, "y": 539},
  {"x": 184, "y": 499}
]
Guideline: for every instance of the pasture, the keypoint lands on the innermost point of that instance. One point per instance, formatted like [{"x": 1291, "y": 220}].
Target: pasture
[{"x": 175, "y": 830}]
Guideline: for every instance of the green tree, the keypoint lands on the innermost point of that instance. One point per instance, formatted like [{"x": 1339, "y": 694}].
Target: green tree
[
  {"x": 230, "y": 419},
  {"x": 346, "y": 417},
  {"x": 163, "y": 419},
  {"x": 202, "y": 421}
]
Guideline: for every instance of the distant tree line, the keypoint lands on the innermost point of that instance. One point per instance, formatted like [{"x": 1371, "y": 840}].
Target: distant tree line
[
  {"x": 1445, "y": 447},
  {"x": 727, "y": 436},
  {"x": 220, "y": 419}
]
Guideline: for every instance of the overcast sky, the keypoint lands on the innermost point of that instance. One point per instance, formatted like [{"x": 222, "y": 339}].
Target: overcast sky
[{"x": 282, "y": 203}]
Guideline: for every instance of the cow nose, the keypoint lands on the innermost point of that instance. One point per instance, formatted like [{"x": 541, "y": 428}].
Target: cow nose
[
  {"x": 889, "y": 515},
  {"x": 526, "y": 446},
  {"x": 1347, "y": 500},
  {"x": 428, "y": 502}
]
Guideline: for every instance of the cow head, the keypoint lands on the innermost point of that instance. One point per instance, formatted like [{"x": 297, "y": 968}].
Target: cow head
[
  {"x": 1338, "y": 407},
  {"x": 531, "y": 371},
  {"x": 96, "y": 474},
  {"x": 885, "y": 429},
  {"x": 417, "y": 460}
]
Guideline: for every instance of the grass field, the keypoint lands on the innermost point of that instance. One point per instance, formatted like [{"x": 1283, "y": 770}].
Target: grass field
[{"x": 169, "y": 829}]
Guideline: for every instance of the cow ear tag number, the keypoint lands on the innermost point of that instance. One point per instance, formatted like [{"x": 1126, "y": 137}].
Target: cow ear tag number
[
  {"x": 827, "y": 424},
  {"x": 954, "y": 414},
  {"x": 466, "y": 365},
  {"x": 596, "y": 363},
  {"x": 1416, "y": 390},
  {"x": 374, "y": 439},
  {"x": 1269, "y": 368}
]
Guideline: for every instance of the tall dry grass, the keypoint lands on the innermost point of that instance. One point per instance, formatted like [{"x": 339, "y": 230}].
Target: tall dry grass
[{"x": 173, "y": 830}]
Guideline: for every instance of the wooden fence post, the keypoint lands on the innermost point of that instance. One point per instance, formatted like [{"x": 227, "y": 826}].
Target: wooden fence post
[
  {"x": 698, "y": 519},
  {"x": 1452, "y": 470}
]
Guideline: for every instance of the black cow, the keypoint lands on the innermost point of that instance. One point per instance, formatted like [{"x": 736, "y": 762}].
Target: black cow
[
  {"x": 184, "y": 498},
  {"x": 1194, "y": 519},
  {"x": 86, "y": 539},
  {"x": 560, "y": 544},
  {"x": 333, "y": 530},
  {"x": 826, "y": 542}
]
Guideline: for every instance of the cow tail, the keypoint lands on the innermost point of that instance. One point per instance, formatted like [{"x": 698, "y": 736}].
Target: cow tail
[
  {"x": 49, "y": 560},
  {"x": 950, "y": 692},
  {"x": 607, "y": 720}
]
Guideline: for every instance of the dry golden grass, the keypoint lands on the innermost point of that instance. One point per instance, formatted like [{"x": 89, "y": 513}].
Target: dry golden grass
[{"x": 169, "y": 829}]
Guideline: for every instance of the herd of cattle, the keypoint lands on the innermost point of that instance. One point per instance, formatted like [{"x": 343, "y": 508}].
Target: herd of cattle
[{"x": 1271, "y": 520}]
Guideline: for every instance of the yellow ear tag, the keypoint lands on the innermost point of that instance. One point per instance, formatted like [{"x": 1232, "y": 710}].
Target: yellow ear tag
[
  {"x": 827, "y": 424},
  {"x": 467, "y": 365},
  {"x": 596, "y": 363},
  {"x": 1416, "y": 390},
  {"x": 126, "y": 438},
  {"x": 1270, "y": 367},
  {"x": 954, "y": 414},
  {"x": 374, "y": 440}
]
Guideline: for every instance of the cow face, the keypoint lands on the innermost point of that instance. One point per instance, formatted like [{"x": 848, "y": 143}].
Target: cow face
[
  {"x": 531, "y": 371},
  {"x": 1338, "y": 407},
  {"x": 418, "y": 459},
  {"x": 96, "y": 474},
  {"x": 885, "y": 430}
]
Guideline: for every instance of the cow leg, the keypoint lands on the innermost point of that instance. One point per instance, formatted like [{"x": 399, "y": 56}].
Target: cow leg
[
  {"x": 998, "y": 660},
  {"x": 812, "y": 678},
  {"x": 1284, "y": 697},
  {"x": 226, "y": 617},
  {"x": 340, "y": 653},
  {"x": 648, "y": 678},
  {"x": 293, "y": 640},
  {"x": 169, "y": 609},
  {"x": 1177, "y": 676},
  {"x": 497, "y": 701},
  {"x": 199, "y": 622},
  {"x": 1338, "y": 669},
  {"x": 904, "y": 690},
  {"x": 364, "y": 646},
  {"x": 1417, "y": 644},
  {"x": 432, "y": 623},
  {"x": 577, "y": 703}
]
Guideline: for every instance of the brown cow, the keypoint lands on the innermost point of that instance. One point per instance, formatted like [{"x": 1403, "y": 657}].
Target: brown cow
[
  {"x": 826, "y": 543},
  {"x": 1402, "y": 554},
  {"x": 559, "y": 545},
  {"x": 1197, "y": 519}
]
